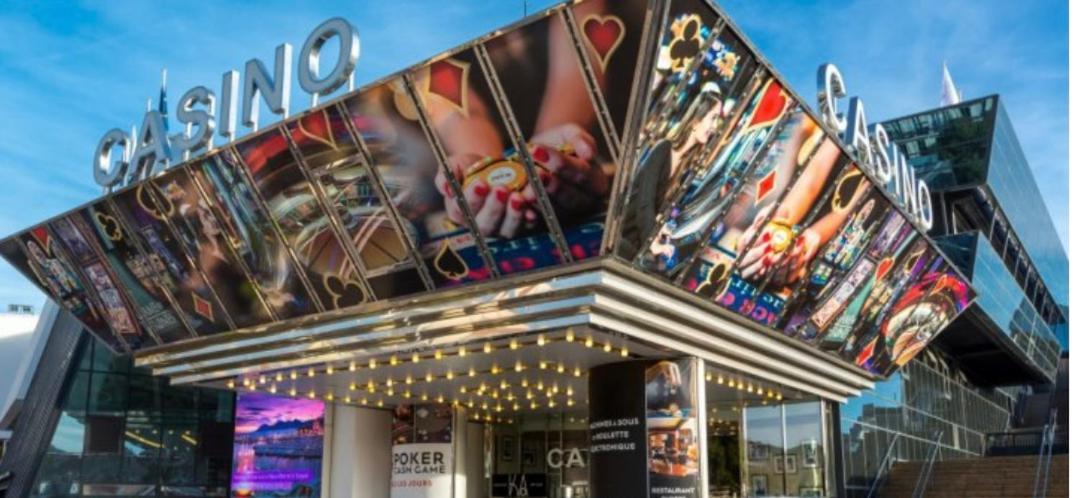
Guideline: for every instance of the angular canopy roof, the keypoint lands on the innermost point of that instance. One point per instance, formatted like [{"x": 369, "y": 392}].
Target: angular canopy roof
[{"x": 647, "y": 132}]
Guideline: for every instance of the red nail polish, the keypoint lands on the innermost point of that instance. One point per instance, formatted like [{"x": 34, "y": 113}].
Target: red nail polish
[
  {"x": 766, "y": 237},
  {"x": 502, "y": 194},
  {"x": 516, "y": 204},
  {"x": 481, "y": 189},
  {"x": 540, "y": 154}
]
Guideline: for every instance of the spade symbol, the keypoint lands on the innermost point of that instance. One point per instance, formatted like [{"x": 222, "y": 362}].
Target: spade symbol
[
  {"x": 345, "y": 292},
  {"x": 687, "y": 45},
  {"x": 450, "y": 264},
  {"x": 708, "y": 287}
]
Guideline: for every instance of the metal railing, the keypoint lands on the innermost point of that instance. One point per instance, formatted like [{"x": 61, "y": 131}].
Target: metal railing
[
  {"x": 927, "y": 468},
  {"x": 1045, "y": 457},
  {"x": 885, "y": 463}
]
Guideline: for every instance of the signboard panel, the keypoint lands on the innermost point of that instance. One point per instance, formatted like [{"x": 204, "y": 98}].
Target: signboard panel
[
  {"x": 423, "y": 465},
  {"x": 277, "y": 446}
]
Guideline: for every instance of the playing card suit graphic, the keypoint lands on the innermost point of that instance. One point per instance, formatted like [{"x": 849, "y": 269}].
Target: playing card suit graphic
[
  {"x": 884, "y": 267},
  {"x": 604, "y": 34},
  {"x": 765, "y": 186},
  {"x": 687, "y": 43},
  {"x": 316, "y": 126},
  {"x": 447, "y": 79},
  {"x": 109, "y": 225},
  {"x": 450, "y": 264},
  {"x": 42, "y": 237},
  {"x": 203, "y": 307},
  {"x": 770, "y": 107},
  {"x": 345, "y": 292},
  {"x": 146, "y": 202}
]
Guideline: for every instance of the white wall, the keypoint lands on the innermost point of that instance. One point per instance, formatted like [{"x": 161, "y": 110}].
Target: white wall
[{"x": 359, "y": 449}]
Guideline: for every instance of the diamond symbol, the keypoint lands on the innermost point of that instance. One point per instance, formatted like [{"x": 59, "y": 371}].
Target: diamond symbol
[
  {"x": 765, "y": 186},
  {"x": 203, "y": 307}
]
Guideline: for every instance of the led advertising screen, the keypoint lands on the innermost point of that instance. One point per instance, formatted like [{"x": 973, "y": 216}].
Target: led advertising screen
[{"x": 277, "y": 447}]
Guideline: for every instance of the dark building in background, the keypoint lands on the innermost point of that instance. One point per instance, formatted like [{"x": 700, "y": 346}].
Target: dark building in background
[
  {"x": 93, "y": 425},
  {"x": 995, "y": 368}
]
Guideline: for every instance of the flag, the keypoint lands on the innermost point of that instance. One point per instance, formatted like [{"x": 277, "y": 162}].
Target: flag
[
  {"x": 949, "y": 94},
  {"x": 162, "y": 105}
]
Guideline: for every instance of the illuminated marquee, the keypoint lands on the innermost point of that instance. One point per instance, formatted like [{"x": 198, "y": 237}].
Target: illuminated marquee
[{"x": 588, "y": 131}]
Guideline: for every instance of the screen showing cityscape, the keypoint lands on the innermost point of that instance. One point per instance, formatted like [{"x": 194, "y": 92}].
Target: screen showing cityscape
[{"x": 277, "y": 446}]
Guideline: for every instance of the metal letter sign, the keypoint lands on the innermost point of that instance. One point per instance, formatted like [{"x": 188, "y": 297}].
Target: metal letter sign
[
  {"x": 151, "y": 150},
  {"x": 884, "y": 159}
]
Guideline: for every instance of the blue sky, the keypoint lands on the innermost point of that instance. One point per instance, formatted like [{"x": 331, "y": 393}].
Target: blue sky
[{"x": 70, "y": 71}]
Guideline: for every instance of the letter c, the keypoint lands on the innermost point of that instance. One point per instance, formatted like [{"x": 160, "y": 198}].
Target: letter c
[{"x": 106, "y": 174}]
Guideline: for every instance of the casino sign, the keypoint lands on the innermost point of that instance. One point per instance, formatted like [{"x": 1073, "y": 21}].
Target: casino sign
[{"x": 633, "y": 172}]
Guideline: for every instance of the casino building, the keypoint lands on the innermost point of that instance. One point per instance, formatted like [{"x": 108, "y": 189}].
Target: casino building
[{"x": 604, "y": 251}]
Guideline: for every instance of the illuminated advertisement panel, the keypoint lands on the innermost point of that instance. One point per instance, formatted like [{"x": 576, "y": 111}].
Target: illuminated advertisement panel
[
  {"x": 548, "y": 96},
  {"x": 504, "y": 192},
  {"x": 331, "y": 157},
  {"x": 198, "y": 230},
  {"x": 705, "y": 194},
  {"x": 611, "y": 33},
  {"x": 305, "y": 226},
  {"x": 36, "y": 253},
  {"x": 134, "y": 271},
  {"x": 202, "y": 311},
  {"x": 277, "y": 446},
  {"x": 580, "y": 131},
  {"x": 388, "y": 122},
  {"x": 248, "y": 230},
  {"x": 696, "y": 91},
  {"x": 917, "y": 316}
]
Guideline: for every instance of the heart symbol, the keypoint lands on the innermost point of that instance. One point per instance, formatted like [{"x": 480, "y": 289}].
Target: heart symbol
[
  {"x": 884, "y": 267},
  {"x": 770, "y": 107},
  {"x": 604, "y": 35}
]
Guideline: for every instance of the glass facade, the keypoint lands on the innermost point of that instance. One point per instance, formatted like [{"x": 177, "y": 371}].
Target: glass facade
[
  {"x": 122, "y": 432},
  {"x": 923, "y": 400},
  {"x": 1002, "y": 300},
  {"x": 971, "y": 158},
  {"x": 786, "y": 450}
]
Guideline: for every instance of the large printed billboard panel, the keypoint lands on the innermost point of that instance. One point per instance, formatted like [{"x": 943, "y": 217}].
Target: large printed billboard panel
[
  {"x": 305, "y": 226},
  {"x": 177, "y": 274},
  {"x": 387, "y": 120},
  {"x": 178, "y": 199},
  {"x": 342, "y": 177},
  {"x": 657, "y": 138},
  {"x": 250, "y": 232},
  {"x": 503, "y": 189}
]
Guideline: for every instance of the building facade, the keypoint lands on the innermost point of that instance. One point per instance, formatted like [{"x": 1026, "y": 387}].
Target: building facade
[
  {"x": 981, "y": 375},
  {"x": 604, "y": 251}
]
